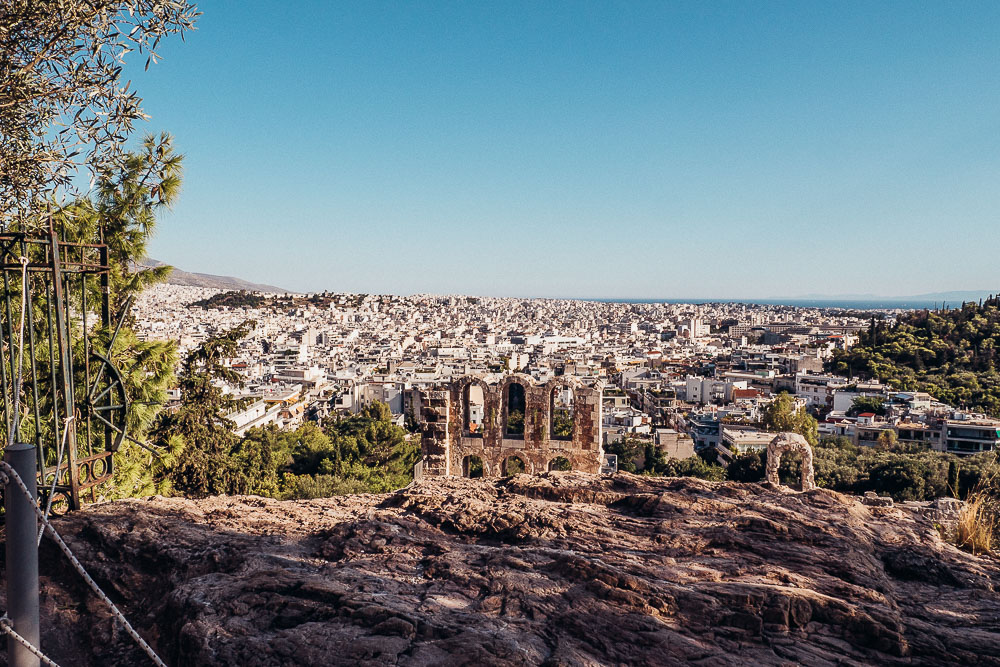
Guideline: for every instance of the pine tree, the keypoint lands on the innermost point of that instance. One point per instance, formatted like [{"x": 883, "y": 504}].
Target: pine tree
[
  {"x": 122, "y": 213},
  {"x": 210, "y": 463}
]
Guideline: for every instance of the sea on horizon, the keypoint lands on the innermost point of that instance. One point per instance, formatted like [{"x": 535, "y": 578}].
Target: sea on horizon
[{"x": 847, "y": 304}]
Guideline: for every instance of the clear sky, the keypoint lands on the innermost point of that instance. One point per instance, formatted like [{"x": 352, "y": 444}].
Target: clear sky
[{"x": 730, "y": 149}]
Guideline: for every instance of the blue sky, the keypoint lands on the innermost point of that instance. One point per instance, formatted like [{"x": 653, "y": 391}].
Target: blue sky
[{"x": 586, "y": 149}]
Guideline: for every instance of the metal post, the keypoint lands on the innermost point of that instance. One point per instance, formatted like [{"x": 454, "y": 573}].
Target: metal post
[{"x": 22, "y": 556}]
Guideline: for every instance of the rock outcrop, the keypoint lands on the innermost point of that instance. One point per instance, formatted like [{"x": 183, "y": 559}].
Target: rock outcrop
[{"x": 557, "y": 569}]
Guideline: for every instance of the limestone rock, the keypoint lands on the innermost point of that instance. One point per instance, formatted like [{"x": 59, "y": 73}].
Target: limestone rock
[{"x": 557, "y": 569}]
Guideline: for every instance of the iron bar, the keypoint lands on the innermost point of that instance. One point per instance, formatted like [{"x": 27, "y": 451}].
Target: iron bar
[
  {"x": 13, "y": 422},
  {"x": 3, "y": 369},
  {"x": 30, "y": 318},
  {"x": 66, "y": 364},
  {"x": 57, "y": 436},
  {"x": 86, "y": 353},
  {"x": 105, "y": 280}
]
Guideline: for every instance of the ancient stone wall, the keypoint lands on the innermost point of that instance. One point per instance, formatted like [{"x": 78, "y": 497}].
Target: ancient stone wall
[{"x": 449, "y": 440}]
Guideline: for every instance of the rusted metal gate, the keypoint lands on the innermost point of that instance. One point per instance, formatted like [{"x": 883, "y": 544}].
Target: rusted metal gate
[{"x": 61, "y": 391}]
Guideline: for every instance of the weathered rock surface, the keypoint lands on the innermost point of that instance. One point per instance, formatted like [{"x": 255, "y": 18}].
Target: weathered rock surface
[{"x": 559, "y": 569}]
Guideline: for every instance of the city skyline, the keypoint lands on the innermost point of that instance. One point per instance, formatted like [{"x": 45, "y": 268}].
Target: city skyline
[{"x": 595, "y": 150}]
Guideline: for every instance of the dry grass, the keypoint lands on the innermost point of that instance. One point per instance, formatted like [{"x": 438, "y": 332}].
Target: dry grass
[{"x": 978, "y": 524}]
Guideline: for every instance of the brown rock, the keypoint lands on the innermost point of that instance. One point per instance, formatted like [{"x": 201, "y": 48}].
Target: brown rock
[{"x": 557, "y": 569}]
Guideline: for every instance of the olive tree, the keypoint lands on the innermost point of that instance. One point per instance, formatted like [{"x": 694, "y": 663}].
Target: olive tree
[{"x": 65, "y": 112}]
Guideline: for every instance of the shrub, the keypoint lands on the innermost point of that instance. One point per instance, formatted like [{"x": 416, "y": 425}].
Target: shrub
[{"x": 978, "y": 524}]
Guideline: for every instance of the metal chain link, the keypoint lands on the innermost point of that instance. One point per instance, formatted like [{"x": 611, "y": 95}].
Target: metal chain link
[
  {"x": 12, "y": 475},
  {"x": 6, "y": 627}
]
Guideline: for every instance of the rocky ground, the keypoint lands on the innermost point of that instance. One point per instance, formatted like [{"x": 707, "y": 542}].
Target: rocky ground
[{"x": 561, "y": 569}]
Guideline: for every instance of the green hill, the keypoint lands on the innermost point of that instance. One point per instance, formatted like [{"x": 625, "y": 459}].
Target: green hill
[{"x": 951, "y": 354}]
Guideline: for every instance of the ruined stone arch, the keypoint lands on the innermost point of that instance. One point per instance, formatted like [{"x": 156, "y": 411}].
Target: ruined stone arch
[
  {"x": 466, "y": 420},
  {"x": 474, "y": 465},
  {"x": 445, "y": 444},
  {"x": 790, "y": 442},
  {"x": 514, "y": 463},
  {"x": 561, "y": 410},
  {"x": 559, "y": 463},
  {"x": 515, "y": 408}
]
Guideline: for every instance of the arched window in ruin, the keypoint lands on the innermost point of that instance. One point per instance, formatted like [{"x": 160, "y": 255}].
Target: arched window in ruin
[
  {"x": 472, "y": 466},
  {"x": 561, "y": 409},
  {"x": 474, "y": 410},
  {"x": 560, "y": 463},
  {"x": 513, "y": 465},
  {"x": 514, "y": 425}
]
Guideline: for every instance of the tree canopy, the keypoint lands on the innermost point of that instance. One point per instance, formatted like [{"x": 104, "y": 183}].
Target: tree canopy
[
  {"x": 63, "y": 105},
  {"x": 950, "y": 354},
  {"x": 781, "y": 415}
]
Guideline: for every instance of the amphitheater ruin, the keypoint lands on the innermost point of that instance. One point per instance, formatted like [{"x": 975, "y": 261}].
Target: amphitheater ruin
[{"x": 478, "y": 428}]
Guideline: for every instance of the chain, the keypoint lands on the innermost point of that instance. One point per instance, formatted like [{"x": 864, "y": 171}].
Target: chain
[
  {"x": 13, "y": 476},
  {"x": 6, "y": 627}
]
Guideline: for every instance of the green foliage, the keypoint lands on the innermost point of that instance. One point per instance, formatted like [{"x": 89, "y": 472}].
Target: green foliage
[
  {"x": 475, "y": 467},
  {"x": 562, "y": 424},
  {"x": 411, "y": 423},
  {"x": 694, "y": 466},
  {"x": 950, "y": 354},
  {"x": 780, "y": 416},
  {"x": 903, "y": 474},
  {"x": 560, "y": 463},
  {"x": 863, "y": 404},
  {"x": 236, "y": 300},
  {"x": 127, "y": 198},
  {"x": 366, "y": 450},
  {"x": 747, "y": 467},
  {"x": 628, "y": 451},
  {"x": 515, "y": 423},
  {"x": 214, "y": 460},
  {"x": 64, "y": 108},
  {"x": 139, "y": 472},
  {"x": 303, "y": 487},
  {"x": 654, "y": 460},
  {"x": 363, "y": 453},
  {"x": 887, "y": 440},
  {"x": 953, "y": 478},
  {"x": 631, "y": 452},
  {"x": 513, "y": 465}
]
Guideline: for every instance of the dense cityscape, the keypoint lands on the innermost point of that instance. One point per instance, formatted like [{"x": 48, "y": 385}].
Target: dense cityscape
[
  {"x": 657, "y": 334},
  {"x": 686, "y": 378}
]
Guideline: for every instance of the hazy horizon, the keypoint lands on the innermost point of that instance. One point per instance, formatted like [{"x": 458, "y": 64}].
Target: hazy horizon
[{"x": 928, "y": 300}]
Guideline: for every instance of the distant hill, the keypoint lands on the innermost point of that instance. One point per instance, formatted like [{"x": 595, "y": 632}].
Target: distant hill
[
  {"x": 179, "y": 277},
  {"x": 951, "y": 297}
]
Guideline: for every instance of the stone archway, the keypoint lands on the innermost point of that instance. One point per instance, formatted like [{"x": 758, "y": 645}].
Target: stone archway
[
  {"x": 561, "y": 412},
  {"x": 513, "y": 465},
  {"x": 472, "y": 466},
  {"x": 473, "y": 406},
  {"x": 515, "y": 399},
  {"x": 560, "y": 463},
  {"x": 790, "y": 442}
]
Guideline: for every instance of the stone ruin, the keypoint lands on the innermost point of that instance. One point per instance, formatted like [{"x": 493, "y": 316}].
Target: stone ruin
[
  {"x": 472, "y": 427},
  {"x": 790, "y": 442}
]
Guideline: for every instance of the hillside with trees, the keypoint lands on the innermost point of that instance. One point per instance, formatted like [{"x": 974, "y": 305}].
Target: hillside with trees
[
  {"x": 950, "y": 354},
  {"x": 237, "y": 300}
]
